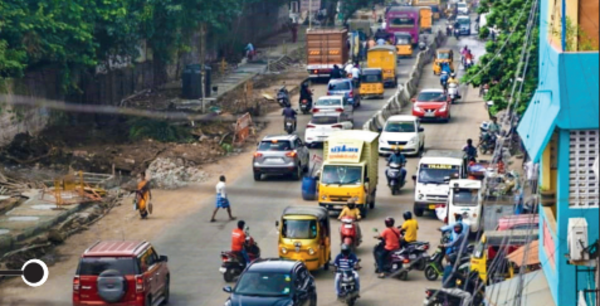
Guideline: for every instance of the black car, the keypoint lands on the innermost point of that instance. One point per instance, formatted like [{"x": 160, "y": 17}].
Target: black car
[{"x": 274, "y": 282}]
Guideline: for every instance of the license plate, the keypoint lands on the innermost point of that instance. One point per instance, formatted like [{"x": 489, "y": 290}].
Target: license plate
[
  {"x": 276, "y": 160},
  {"x": 429, "y": 115},
  {"x": 431, "y": 206},
  {"x": 222, "y": 270},
  {"x": 348, "y": 225},
  {"x": 397, "y": 147}
]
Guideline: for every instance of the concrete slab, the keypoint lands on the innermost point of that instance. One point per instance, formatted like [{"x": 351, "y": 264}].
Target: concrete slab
[
  {"x": 4, "y": 231},
  {"x": 23, "y": 219}
]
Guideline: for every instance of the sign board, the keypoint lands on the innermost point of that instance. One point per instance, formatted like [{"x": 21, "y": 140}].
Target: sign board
[
  {"x": 345, "y": 151},
  {"x": 242, "y": 129},
  {"x": 316, "y": 159},
  {"x": 305, "y": 4},
  {"x": 440, "y": 166}
]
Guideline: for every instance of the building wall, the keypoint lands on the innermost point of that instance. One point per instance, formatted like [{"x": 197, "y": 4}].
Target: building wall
[{"x": 588, "y": 19}]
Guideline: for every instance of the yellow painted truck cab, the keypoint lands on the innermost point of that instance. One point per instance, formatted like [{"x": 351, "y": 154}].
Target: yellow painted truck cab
[
  {"x": 349, "y": 170},
  {"x": 385, "y": 58},
  {"x": 426, "y": 18},
  {"x": 305, "y": 235},
  {"x": 404, "y": 44},
  {"x": 371, "y": 83}
]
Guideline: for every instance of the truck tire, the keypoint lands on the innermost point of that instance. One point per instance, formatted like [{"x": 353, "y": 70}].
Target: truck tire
[{"x": 418, "y": 211}]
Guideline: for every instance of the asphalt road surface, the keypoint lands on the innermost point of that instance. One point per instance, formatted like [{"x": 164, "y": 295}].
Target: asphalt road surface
[{"x": 194, "y": 245}]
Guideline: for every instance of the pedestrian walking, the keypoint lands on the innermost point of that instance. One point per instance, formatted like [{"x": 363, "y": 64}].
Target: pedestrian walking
[{"x": 222, "y": 201}]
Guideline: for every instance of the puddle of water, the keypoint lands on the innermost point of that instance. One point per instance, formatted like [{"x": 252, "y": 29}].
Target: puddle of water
[
  {"x": 23, "y": 218},
  {"x": 4, "y": 231},
  {"x": 43, "y": 206}
]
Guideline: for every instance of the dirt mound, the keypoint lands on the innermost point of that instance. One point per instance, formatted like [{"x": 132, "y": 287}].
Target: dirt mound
[{"x": 167, "y": 173}]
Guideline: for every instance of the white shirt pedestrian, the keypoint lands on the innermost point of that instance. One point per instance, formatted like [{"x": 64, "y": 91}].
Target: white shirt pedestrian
[
  {"x": 531, "y": 170},
  {"x": 348, "y": 69},
  {"x": 355, "y": 73},
  {"x": 221, "y": 190}
]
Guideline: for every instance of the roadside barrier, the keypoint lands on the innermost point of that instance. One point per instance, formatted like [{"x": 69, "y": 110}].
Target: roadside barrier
[{"x": 407, "y": 90}]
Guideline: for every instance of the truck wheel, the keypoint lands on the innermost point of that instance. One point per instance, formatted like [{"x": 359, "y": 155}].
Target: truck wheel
[
  {"x": 298, "y": 174},
  {"x": 418, "y": 211}
]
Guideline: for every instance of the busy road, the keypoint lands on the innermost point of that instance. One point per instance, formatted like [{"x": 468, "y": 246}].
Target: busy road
[{"x": 194, "y": 245}]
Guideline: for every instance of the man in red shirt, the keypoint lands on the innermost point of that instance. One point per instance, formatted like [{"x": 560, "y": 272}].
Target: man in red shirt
[
  {"x": 238, "y": 241},
  {"x": 391, "y": 236}
]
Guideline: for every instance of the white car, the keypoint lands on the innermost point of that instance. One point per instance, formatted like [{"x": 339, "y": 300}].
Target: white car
[
  {"x": 403, "y": 131},
  {"x": 462, "y": 8},
  {"x": 338, "y": 104},
  {"x": 323, "y": 124}
]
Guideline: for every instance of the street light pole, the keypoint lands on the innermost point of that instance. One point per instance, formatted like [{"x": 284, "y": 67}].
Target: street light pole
[{"x": 309, "y": 14}]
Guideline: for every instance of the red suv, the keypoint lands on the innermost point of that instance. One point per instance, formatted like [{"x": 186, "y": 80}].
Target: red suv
[{"x": 121, "y": 273}]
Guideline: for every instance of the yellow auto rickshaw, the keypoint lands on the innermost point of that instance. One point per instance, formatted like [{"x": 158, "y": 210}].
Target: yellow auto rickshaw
[
  {"x": 371, "y": 83},
  {"x": 403, "y": 44},
  {"x": 426, "y": 19},
  {"x": 305, "y": 235},
  {"x": 443, "y": 56},
  {"x": 385, "y": 58}
]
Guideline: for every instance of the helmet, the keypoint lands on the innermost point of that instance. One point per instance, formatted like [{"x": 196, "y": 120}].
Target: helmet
[
  {"x": 452, "y": 74},
  {"x": 389, "y": 221},
  {"x": 351, "y": 203},
  {"x": 345, "y": 249},
  {"x": 407, "y": 215},
  {"x": 458, "y": 226}
]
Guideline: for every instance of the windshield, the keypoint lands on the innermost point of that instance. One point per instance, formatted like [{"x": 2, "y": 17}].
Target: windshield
[
  {"x": 435, "y": 174},
  {"x": 328, "y": 102},
  {"x": 464, "y": 21},
  {"x": 400, "y": 127},
  {"x": 342, "y": 175},
  {"x": 324, "y": 120},
  {"x": 264, "y": 284},
  {"x": 462, "y": 5},
  {"x": 444, "y": 55},
  {"x": 96, "y": 265},
  {"x": 299, "y": 229},
  {"x": 431, "y": 97},
  {"x": 465, "y": 197},
  {"x": 371, "y": 78},
  {"x": 339, "y": 86},
  {"x": 402, "y": 41},
  {"x": 402, "y": 23},
  {"x": 283, "y": 145}
]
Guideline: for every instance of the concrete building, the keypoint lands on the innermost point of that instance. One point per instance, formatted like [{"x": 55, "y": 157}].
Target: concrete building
[{"x": 560, "y": 131}]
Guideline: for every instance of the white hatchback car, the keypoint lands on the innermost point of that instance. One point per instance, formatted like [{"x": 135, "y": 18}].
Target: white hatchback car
[
  {"x": 338, "y": 104},
  {"x": 404, "y": 132},
  {"x": 323, "y": 124}
]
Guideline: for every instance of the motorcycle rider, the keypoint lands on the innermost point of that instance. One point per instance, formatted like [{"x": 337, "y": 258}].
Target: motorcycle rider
[
  {"x": 398, "y": 158},
  {"x": 249, "y": 50},
  {"x": 289, "y": 113},
  {"x": 355, "y": 71},
  {"x": 305, "y": 93},
  {"x": 444, "y": 80},
  {"x": 465, "y": 229},
  {"x": 238, "y": 241},
  {"x": 453, "y": 79},
  {"x": 494, "y": 127},
  {"x": 336, "y": 73},
  {"x": 410, "y": 227},
  {"x": 458, "y": 247},
  {"x": 346, "y": 261},
  {"x": 470, "y": 150},
  {"x": 350, "y": 210},
  {"x": 468, "y": 56},
  {"x": 391, "y": 237}
]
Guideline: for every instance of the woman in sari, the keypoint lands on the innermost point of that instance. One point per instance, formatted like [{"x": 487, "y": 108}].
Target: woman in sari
[{"x": 143, "y": 195}]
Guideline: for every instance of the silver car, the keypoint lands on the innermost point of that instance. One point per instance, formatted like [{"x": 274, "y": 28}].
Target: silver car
[{"x": 281, "y": 155}]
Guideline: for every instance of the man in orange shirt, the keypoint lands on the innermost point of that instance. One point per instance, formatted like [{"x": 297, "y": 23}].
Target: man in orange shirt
[
  {"x": 391, "y": 236},
  {"x": 238, "y": 241}
]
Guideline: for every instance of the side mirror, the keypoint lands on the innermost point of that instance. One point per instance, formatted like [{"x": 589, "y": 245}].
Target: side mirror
[
  {"x": 277, "y": 224},
  {"x": 421, "y": 129},
  {"x": 414, "y": 177},
  {"x": 164, "y": 258},
  {"x": 379, "y": 130},
  {"x": 413, "y": 100},
  {"x": 228, "y": 289}
]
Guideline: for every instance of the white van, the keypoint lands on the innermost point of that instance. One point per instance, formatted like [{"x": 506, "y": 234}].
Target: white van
[
  {"x": 465, "y": 199},
  {"x": 434, "y": 172}
]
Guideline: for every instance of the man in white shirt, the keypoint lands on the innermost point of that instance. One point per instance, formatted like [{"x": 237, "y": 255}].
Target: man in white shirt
[
  {"x": 221, "y": 201},
  {"x": 355, "y": 71},
  {"x": 348, "y": 69}
]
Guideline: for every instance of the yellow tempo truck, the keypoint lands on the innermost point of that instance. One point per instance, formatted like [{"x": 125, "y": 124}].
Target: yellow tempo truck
[{"x": 349, "y": 170}]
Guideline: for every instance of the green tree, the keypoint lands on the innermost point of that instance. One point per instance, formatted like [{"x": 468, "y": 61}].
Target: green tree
[{"x": 506, "y": 15}]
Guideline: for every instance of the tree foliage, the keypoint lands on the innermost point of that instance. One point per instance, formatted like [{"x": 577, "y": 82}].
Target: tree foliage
[{"x": 503, "y": 67}]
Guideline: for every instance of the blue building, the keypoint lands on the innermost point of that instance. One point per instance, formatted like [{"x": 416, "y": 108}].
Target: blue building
[{"x": 560, "y": 132}]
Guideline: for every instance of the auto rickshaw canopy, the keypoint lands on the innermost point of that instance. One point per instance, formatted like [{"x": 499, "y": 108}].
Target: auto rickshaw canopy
[
  {"x": 444, "y": 54},
  {"x": 318, "y": 212},
  {"x": 403, "y": 39},
  {"x": 371, "y": 75}
]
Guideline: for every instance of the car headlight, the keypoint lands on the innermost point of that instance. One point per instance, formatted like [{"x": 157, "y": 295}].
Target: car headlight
[
  {"x": 418, "y": 109},
  {"x": 323, "y": 197},
  {"x": 413, "y": 139},
  {"x": 283, "y": 251},
  {"x": 442, "y": 109},
  {"x": 311, "y": 252}
]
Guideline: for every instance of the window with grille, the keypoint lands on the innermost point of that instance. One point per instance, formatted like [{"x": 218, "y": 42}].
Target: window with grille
[{"x": 583, "y": 184}]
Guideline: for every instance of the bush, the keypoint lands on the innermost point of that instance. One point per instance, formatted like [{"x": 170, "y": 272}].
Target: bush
[{"x": 141, "y": 128}]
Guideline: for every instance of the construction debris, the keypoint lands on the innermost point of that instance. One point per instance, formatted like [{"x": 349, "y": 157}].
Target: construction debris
[{"x": 167, "y": 173}]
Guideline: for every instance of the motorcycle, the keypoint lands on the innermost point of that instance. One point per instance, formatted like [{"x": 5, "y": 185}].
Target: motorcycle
[
  {"x": 456, "y": 33},
  {"x": 283, "y": 97},
  {"x": 393, "y": 173},
  {"x": 349, "y": 232},
  {"x": 457, "y": 296},
  {"x": 449, "y": 30},
  {"x": 233, "y": 262},
  {"x": 290, "y": 126},
  {"x": 305, "y": 106},
  {"x": 434, "y": 268},
  {"x": 487, "y": 141},
  {"x": 423, "y": 43},
  {"x": 403, "y": 260},
  {"x": 468, "y": 63},
  {"x": 453, "y": 92},
  {"x": 348, "y": 292}
]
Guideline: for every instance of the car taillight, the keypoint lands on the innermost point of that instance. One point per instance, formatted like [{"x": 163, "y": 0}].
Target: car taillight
[
  {"x": 224, "y": 258},
  {"x": 351, "y": 94},
  {"x": 315, "y": 71},
  {"x": 291, "y": 154},
  {"x": 406, "y": 260},
  {"x": 426, "y": 247},
  {"x": 315, "y": 110},
  {"x": 329, "y": 93},
  {"x": 76, "y": 283},
  {"x": 139, "y": 283},
  {"x": 310, "y": 126},
  {"x": 257, "y": 154},
  {"x": 336, "y": 126},
  {"x": 339, "y": 110},
  {"x": 428, "y": 293}
]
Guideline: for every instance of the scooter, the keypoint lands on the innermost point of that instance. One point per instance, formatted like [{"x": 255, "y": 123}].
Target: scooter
[
  {"x": 468, "y": 63},
  {"x": 423, "y": 43},
  {"x": 449, "y": 29},
  {"x": 453, "y": 92},
  {"x": 283, "y": 97},
  {"x": 349, "y": 233},
  {"x": 305, "y": 106},
  {"x": 393, "y": 173},
  {"x": 461, "y": 295},
  {"x": 434, "y": 268},
  {"x": 233, "y": 262},
  {"x": 401, "y": 261},
  {"x": 289, "y": 126},
  {"x": 348, "y": 291},
  {"x": 444, "y": 83},
  {"x": 456, "y": 33}
]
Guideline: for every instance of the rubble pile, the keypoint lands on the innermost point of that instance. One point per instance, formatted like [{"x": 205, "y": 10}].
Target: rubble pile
[{"x": 166, "y": 173}]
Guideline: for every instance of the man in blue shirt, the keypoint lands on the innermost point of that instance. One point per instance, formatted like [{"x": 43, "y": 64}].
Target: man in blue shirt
[
  {"x": 398, "y": 158},
  {"x": 449, "y": 227},
  {"x": 345, "y": 261},
  {"x": 458, "y": 246}
]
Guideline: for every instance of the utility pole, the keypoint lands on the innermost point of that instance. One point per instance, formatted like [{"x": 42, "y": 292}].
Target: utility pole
[
  {"x": 310, "y": 14},
  {"x": 202, "y": 63}
]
